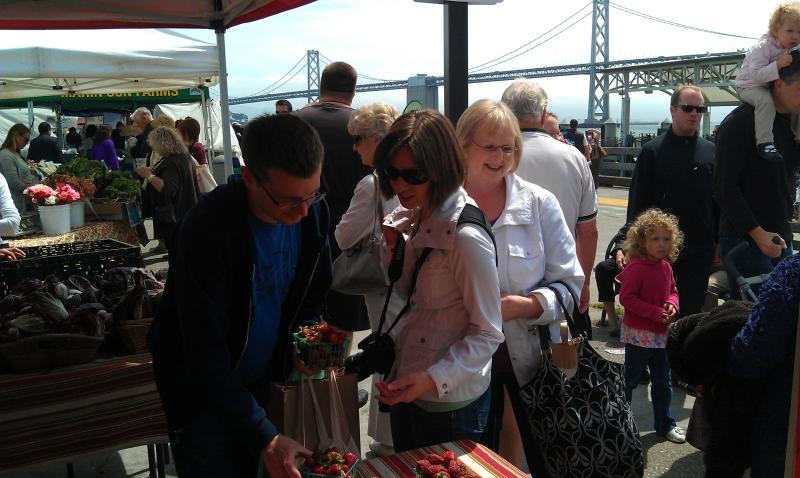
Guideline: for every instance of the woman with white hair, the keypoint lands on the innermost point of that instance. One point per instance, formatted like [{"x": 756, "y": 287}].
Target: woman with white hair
[
  {"x": 171, "y": 186},
  {"x": 367, "y": 126}
]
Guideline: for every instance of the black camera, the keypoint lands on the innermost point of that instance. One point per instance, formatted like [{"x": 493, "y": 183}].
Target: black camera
[{"x": 376, "y": 356}]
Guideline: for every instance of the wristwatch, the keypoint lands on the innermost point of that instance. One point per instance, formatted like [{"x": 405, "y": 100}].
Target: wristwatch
[{"x": 150, "y": 178}]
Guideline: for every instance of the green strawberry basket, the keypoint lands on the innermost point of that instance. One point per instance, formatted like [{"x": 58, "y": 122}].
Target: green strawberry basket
[{"x": 321, "y": 355}]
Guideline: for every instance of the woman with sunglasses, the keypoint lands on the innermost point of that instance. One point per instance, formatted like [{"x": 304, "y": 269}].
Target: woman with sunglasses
[
  {"x": 14, "y": 168},
  {"x": 535, "y": 248},
  {"x": 368, "y": 125},
  {"x": 439, "y": 387}
]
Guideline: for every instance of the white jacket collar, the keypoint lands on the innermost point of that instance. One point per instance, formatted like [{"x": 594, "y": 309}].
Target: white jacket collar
[
  {"x": 518, "y": 209},
  {"x": 438, "y": 231}
]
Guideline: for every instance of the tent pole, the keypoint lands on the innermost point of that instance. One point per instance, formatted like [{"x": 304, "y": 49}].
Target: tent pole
[
  {"x": 223, "y": 99},
  {"x": 209, "y": 114},
  {"x": 30, "y": 115},
  {"x": 210, "y": 149}
]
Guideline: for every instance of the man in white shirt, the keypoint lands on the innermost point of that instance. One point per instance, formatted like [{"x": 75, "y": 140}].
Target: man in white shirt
[{"x": 559, "y": 168}]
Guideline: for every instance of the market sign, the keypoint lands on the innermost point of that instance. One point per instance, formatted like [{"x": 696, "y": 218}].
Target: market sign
[{"x": 127, "y": 101}]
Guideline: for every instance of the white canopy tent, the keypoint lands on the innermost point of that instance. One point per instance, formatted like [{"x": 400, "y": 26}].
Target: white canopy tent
[
  {"x": 211, "y": 136},
  {"x": 53, "y": 62},
  {"x": 218, "y": 15}
]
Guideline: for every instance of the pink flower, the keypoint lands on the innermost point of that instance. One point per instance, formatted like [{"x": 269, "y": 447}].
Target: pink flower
[
  {"x": 38, "y": 192},
  {"x": 66, "y": 193}
]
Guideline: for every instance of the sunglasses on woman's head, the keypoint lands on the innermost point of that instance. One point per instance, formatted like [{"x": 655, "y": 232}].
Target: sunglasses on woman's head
[{"x": 412, "y": 176}]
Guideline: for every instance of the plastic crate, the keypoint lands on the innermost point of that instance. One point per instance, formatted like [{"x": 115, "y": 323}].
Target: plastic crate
[
  {"x": 48, "y": 351},
  {"x": 85, "y": 258},
  {"x": 320, "y": 355}
]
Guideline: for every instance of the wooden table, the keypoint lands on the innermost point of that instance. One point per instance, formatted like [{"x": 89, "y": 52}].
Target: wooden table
[
  {"x": 480, "y": 460},
  {"x": 57, "y": 415}
]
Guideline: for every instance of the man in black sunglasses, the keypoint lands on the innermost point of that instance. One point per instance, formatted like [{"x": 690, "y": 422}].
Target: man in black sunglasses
[{"x": 674, "y": 172}]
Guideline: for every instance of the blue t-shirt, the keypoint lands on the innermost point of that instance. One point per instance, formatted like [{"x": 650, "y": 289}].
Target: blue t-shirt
[{"x": 277, "y": 247}]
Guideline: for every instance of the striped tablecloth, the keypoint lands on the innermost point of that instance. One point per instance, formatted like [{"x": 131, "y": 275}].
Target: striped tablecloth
[
  {"x": 480, "y": 460},
  {"x": 104, "y": 405}
]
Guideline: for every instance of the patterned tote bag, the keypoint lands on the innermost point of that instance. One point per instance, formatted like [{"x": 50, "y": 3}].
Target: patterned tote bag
[{"x": 584, "y": 425}]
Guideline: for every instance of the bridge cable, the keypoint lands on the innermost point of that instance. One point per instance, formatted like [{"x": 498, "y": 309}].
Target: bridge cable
[
  {"x": 360, "y": 75},
  {"x": 675, "y": 24},
  {"x": 535, "y": 39},
  {"x": 475, "y": 69},
  {"x": 261, "y": 91}
]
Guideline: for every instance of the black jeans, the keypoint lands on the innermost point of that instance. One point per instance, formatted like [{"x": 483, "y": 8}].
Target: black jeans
[
  {"x": 491, "y": 437},
  {"x": 604, "y": 273},
  {"x": 413, "y": 427},
  {"x": 691, "y": 277}
]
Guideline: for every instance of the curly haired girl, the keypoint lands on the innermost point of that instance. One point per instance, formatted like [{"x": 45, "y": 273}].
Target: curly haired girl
[{"x": 650, "y": 298}]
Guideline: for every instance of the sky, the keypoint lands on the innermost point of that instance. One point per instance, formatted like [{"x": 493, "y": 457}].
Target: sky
[{"x": 395, "y": 39}]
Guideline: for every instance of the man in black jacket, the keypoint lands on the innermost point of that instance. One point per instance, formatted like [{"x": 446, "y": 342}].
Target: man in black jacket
[
  {"x": 252, "y": 262},
  {"x": 341, "y": 172},
  {"x": 756, "y": 196},
  {"x": 45, "y": 146},
  {"x": 674, "y": 172}
]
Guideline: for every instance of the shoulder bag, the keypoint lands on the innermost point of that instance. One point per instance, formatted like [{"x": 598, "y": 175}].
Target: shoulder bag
[
  {"x": 583, "y": 424},
  {"x": 358, "y": 270}
]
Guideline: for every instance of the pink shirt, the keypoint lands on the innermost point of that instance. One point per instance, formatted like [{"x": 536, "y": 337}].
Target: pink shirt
[
  {"x": 644, "y": 288},
  {"x": 759, "y": 66}
]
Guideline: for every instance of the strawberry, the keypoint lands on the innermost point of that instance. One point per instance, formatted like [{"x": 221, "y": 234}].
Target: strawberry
[
  {"x": 334, "y": 470},
  {"x": 423, "y": 464},
  {"x": 333, "y": 337},
  {"x": 453, "y": 468},
  {"x": 438, "y": 469},
  {"x": 448, "y": 456},
  {"x": 322, "y": 328},
  {"x": 318, "y": 469},
  {"x": 350, "y": 458},
  {"x": 345, "y": 467},
  {"x": 427, "y": 471},
  {"x": 435, "y": 459}
]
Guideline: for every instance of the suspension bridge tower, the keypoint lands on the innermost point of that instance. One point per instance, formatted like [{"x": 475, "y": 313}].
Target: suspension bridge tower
[
  {"x": 312, "y": 73},
  {"x": 598, "y": 83}
]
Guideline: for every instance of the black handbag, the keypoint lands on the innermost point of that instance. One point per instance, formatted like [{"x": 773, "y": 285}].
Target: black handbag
[{"x": 583, "y": 424}]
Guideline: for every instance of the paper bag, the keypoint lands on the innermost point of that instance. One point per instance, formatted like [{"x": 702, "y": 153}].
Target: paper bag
[{"x": 292, "y": 410}]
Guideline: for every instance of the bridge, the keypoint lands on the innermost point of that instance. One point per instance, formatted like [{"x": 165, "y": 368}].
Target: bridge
[{"x": 714, "y": 73}]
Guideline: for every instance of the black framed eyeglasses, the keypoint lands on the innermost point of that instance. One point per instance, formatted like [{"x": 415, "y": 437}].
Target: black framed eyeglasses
[
  {"x": 689, "y": 108},
  {"x": 506, "y": 149},
  {"x": 293, "y": 204},
  {"x": 412, "y": 176}
]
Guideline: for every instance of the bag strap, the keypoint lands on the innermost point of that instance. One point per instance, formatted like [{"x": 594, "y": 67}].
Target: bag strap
[
  {"x": 473, "y": 215},
  {"x": 577, "y": 335}
]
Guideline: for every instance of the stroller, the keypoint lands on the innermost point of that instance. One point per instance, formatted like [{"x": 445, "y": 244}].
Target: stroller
[{"x": 744, "y": 284}]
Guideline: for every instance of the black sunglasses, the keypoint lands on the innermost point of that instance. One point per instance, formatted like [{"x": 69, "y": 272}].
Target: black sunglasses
[
  {"x": 690, "y": 108},
  {"x": 412, "y": 176}
]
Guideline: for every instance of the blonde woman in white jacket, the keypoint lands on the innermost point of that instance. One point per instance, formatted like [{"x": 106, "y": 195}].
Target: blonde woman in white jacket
[
  {"x": 535, "y": 248},
  {"x": 442, "y": 370},
  {"x": 368, "y": 125}
]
